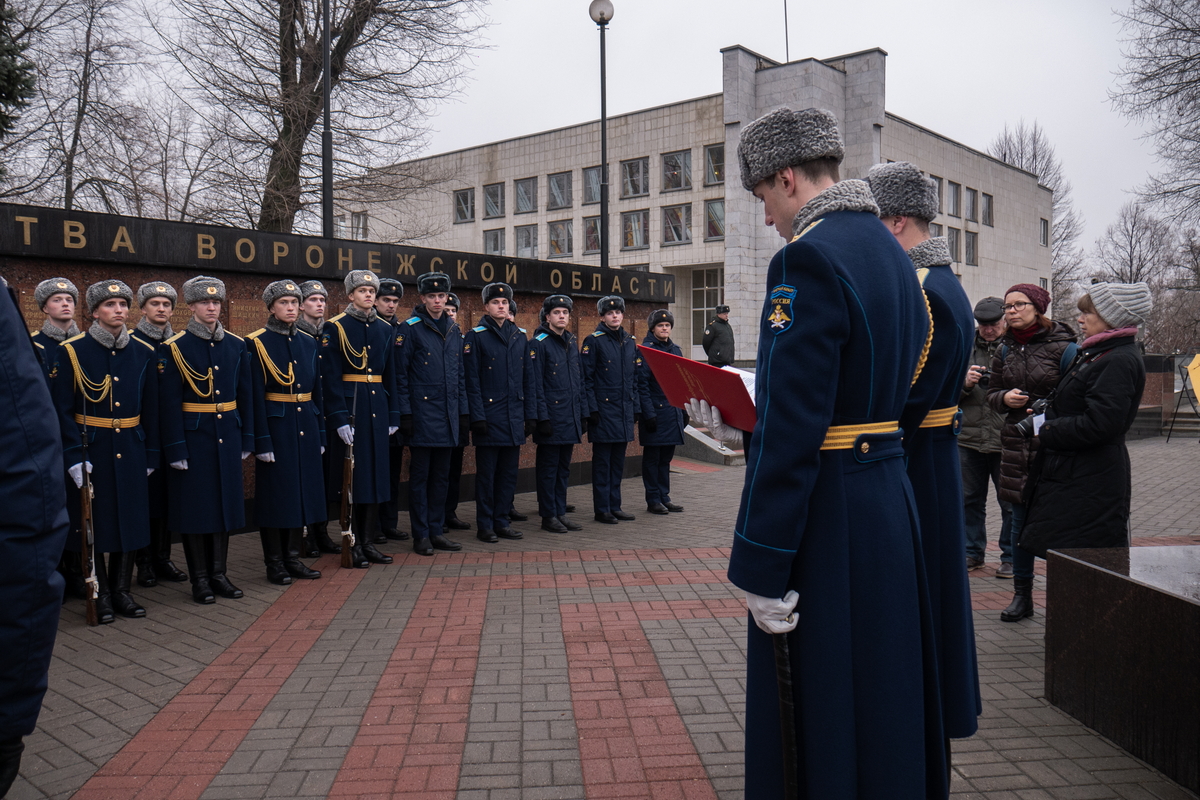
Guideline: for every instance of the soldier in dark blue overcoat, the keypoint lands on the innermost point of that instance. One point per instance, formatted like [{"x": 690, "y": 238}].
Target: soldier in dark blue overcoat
[
  {"x": 502, "y": 402},
  {"x": 361, "y": 405},
  {"x": 289, "y": 433},
  {"x": 826, "y": 544},
  {"x": 312, "y": 322},
  {"x": 615, "y": 400},
  {"x": 207, "y": 429},
  {"x": 562, "y": 413},
  {"x": 433, "y": 408},
  {"x": 451, "y": 522},
  {"x": 157, "y": 302},
  {"x": 908, "y": 202},
  {"x": 107, "y": 392},
  {"x": 33, "y": 530},
  {"x": 57, "y": 298},
  {"x": 387, "y": 304},
  {"x": 661, "y": 432}
]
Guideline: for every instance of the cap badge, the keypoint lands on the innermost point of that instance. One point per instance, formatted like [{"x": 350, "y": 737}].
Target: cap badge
[
  {"x": 114, "y": 288},
  {"x": 160, "y": 288},
  {"x": 212, "y": 290},
  {"x": 368, "y": 277},
  {"x": 61, "y": 284},
  {"x": 290, "y": 287}
]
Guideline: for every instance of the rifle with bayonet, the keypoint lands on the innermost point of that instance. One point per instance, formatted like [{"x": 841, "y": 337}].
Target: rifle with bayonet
[
  {"x": 346, "y": 517},
  {"x": 87, "y": 555}
]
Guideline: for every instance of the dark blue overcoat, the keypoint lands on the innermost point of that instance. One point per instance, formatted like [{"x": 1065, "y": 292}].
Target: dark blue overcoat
[
  {"x": 353, "y": 348},
  {"x": 158, "y": 480},
  {"x": 669, "y": 430},
  {"x": 838, "y": 525},
  {"x": 119, "y": 456},
  {"x": 611, "y": 383},
  {"x": 33, "y": 526},
  {"x": 45, "y": 348},
  {"x": 554, "y": 360},
  {"x": 207, "y": 497},
  {"x": 289, "y": 492},
  {"x": 499, "y": 387},
  {"x": 433, "y": 389},
  {"x": 935, "y": 471}
]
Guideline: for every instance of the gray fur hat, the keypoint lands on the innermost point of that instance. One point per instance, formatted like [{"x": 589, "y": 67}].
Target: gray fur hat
[
  {"x": 610, "y": 303},
  {"x": 203, "y": 287},
  {"x": 433, "y": 282},
  {"x": 309, "y": 288},
  {"x": 390, "y": 287},
  {"x": 279, "y": 289},
  {"x": 1122, "y": 304},
  {"x": 452, "y": 300},
  {"x": 661, "y": 315},
  {"x": 360, "y": 277},
  {"x": 156, "y": 289},
  {"x": 902, "y": 191},
  {"x": 97, "y": 293},
  {"x": 785, "y": 138},
  {"x": 494, "y": 290},
  {"x": 48, "y": 288}
]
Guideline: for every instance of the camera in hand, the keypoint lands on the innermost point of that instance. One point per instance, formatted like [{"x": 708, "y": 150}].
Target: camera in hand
[{"x": 1025, "y": 426}]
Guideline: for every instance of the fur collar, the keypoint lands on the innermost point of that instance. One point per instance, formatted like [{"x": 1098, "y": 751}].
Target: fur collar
[
  {"x": 58, "y": 334},
  {"x": 309, "y": 328},
  {"x": 360, "y": 315},
  {"x": 851, "y": 195},
  {"x": 106, "y": 339},
  {"x": 279, "y": 327},
  {"x": 931, "y": 253},
  {"x": 152, "y": 331},
  {"x": 200, "y": 331}
]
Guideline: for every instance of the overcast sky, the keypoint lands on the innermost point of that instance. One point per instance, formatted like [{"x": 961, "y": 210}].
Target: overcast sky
[{"x": 962, "y": 69}]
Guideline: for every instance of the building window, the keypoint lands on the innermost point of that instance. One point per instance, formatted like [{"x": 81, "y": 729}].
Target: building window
[
  {"x": 464, "y": 205},
  {"x": 493, "y": 201},
  {"x": 635, "y": 177},
  {"x": 708, "y": 292},
  {"x": 972, "y": 247},
  {"x": 636, "y": 267},
  {"x": 1044, "y": 236},
  {"x": 526, "y": 241},
  {"x": 525, "y": 191},
  {"x": 935, "y": 229},
  {"x": 591, "y": 185},
  {"x": 493, "y": 242},
  {"x": 358, "y": 225},
  {"x": 591, "y": 234},
  {"x": 560, "y": 238},
  {"x": 972, "y": 206},
  {"x": 677, "y": 224},
  {"x": 677, "y": 170},
  {"x": 635, "y": 230},
  {"x": 937, "y": 182},
  {"x": 559, "y": 188},
  {"x": 953, "y": 199},
  {"x": 1044, "y": 283},
  {"x": 987, "y": 210},
  {"x": 714, "y": 219},
  {"x": 714, "y": 164},
  {"x": 952, "y": 237}
]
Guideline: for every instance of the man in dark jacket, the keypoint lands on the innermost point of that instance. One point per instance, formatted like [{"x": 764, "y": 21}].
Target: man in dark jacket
[
  {"x": 554, "y": 359},
  {"x": 312, "y": 321},
  {"x": 451, "y": 522},
  {"x": 718, "y": 339},
  {"x": 662, "y": 432},
  {"x": 979, "y": 442}
]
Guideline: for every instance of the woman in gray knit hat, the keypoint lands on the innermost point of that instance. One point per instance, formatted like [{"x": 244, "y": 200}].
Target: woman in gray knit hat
[{"x": 1081, "y": 480}]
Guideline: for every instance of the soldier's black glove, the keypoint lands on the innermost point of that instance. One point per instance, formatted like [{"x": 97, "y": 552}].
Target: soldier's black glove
[
  {"x": 544, "y": 428},
  {"x": 583, "y": 424},
  {"x": 464, "y": 425},
  {"x": 406, "y": 425},
  {"x": 651, "y": 425},
  {"x": 530, "y": 424},
  {"x": 479, "y": 427},
  {"x": 686, "y": 420},
  {"x": 637, "y": 418},
  {"x": 595, "y": 418}
]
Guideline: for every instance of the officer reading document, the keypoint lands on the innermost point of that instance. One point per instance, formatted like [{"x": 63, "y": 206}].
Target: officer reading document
[{"x": 825, "y": 545}]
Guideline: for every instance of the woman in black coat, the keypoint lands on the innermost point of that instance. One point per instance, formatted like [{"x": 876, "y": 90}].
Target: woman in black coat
[{"x": 1080, "y": 495}]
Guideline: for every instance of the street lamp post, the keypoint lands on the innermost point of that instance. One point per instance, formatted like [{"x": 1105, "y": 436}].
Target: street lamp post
[
  {"x": 601, "y": 12},
  {"x": 327, "y": 134}
]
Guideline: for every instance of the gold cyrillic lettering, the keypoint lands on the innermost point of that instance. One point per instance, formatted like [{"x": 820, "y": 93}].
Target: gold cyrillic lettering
[
  {"x": 462, "y": 269},
  {"x": 616, "y": 287},
  {"x": 345, "y": 259},
  {"x": 122, "y": 240},
  {"x": 26, "y": 222},
  {"x": 373, "y": 262},
  {"x": 652, "y": 282},
  {"x": 73, "y": 237},
  {"x": 633, "y": 285},
  {"x": 556, "y": 278},
  {"x": 668, "y": 287},
  {"x": 308, "y": 256},
  {"x": 406, "y": 264},
  {"x": 204, "y": 247},
  {"x": 487, "y": 272},
  {"x": 576, "y": 283},
  {"x": 597, "y": 286},
  {"x": 279, "y": 250},
  {"x": 434, "y": 263},
  {"x": 237, "y": 251},
  {"x": 510, "y": 274}
]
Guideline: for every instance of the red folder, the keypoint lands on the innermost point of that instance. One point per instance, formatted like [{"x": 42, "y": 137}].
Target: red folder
[{"x": 682, "y": 379}]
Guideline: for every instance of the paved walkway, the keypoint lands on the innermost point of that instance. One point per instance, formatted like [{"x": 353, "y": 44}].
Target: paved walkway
[{"x": 600, "y": 664}]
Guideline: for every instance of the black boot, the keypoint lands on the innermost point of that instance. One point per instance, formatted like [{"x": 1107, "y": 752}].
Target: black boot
[
  {"x": 145, "y": 566},
  {"x": 289, "y": 542},
  {"x": 195, "y": 552},
  {"x": 160, "y": 553},
  {"x": 10, "y": 762},
  {"x": 220, "y": 554},
  {"x": 72, "y": 573},
  {"x": 273, "y": 557},
  {"x": 120, "y": 576},
  {"x": 320, "y": 536},
  {"x": 366, "y": 518},
  {"x": 1022, "y": 602},
  {"x": 104, "y": 604}
]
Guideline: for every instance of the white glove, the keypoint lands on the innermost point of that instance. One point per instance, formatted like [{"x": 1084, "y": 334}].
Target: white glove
[
  {"x": 705, "y": 416},
  {"x": 76, "y": 473},
  {"x": 245, "y": 454},
  {"x": 392, "y": 429},
  {"x": 268, "y": 458},
  {"x": 346, "y": 434},
  {"x": 149, "y": 471},
  {"x": 179, "y": 464},
  {"x": 322, "y": 449},
  {"x": 772, "y": 614}
]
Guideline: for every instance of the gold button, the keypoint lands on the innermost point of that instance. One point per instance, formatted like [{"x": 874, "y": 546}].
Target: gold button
[
  {"x": 115, "y": 378},
  {"x": 368, "y": 372},
  {"x": 218, "y": 416},
  {"x": 301, "y": 433},
  {"x": 118, "y": 455},
  {"x": 117, "y": 430},
  {"x": 865, "y": 447},
  {"x": 216, "y": 367},
  {"x": 372, "y": 416},
  {"x": 218, "y": 391},
  {"x": 220, "y": 441},
  {"x": 114, "y": 352},
  {"x": 118, "y": 405},
  {"x": 372, "y": 391}
]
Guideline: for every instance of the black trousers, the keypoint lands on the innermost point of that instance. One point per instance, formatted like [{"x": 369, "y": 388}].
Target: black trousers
[
  {"x": 455, "y": 484},
  {"x": 428, "y": 477},
  {"x": 553, "y": 470},
  {"x": 656, "y": 472}
]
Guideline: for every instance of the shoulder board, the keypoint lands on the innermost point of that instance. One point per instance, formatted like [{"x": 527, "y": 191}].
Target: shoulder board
[
  {"x": 922, "y": 274},
  {"x": 306, "y": 333},
  {"x": 522, "y": 330},
  {"x": 597, "y": 333},
  {"x": 175, "y": 337},
  {"x": 234, "y": 335},
  {"x": 338, "y": 317},
  {"x": 541, "y": 336},
  {"x": 479, "y": 329},
  {"x": 75, "y": 338},
  {"x": 412, "y": 320},
  {"x": 39, "y": 345},
  {"x": 149, "y": 346},
  {"x": 256, "y": 333}
]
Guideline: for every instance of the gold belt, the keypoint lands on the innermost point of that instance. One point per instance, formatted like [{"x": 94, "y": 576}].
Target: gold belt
[
  {"x": 289, "y": 398},
  {"x": 841, "y": 437},
  {"x": 209, "y": 408},
  {"x": 108, "y": 422},
  {"x": 940, "y": 417},
  {"x": 363, "y": 378}
]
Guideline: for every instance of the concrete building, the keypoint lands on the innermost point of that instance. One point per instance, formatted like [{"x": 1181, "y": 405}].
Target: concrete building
[{"x": 675, "y": 207}]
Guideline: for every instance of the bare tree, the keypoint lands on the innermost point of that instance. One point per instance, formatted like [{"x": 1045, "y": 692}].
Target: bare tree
[
  {"x": 1027, "y": 147},
  {"x": 1160, "y": 84},
  {"x": 1137, "y": 247}
]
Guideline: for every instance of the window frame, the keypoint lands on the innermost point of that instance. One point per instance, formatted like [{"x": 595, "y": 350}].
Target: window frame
[
  {"x": 486, "y": 187},
  {"x": 708, "y": 171},
  {"x": 686, "y": 220},
  {"x": 971, "y": 248},
  {"x": 645, "y": 214},
  {"x": 644, "y": 164},
  {"x": 517, "y": 184},
  {"x": 684, "y": 171},
  {"x": 589, "y": 222},
  {"x": 598, "y": 171},
  {"x": 953, "y": 199},
  {"x": 559, "y": 223},
  {"x": 987, "y": 210},
  {"x": 708, "y": 236},
  {"x": 940, "y": 183},
  {"x": 570, "y": 199},
  {"x": 502, "y": 237},
  {"x": 517, "y": 230},
  {"x": 954, "y": 244},
  {"x": 469, "y": 194},
  {"x": 1044, "y": 233},
  {"x": 971, "y": 212}
]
